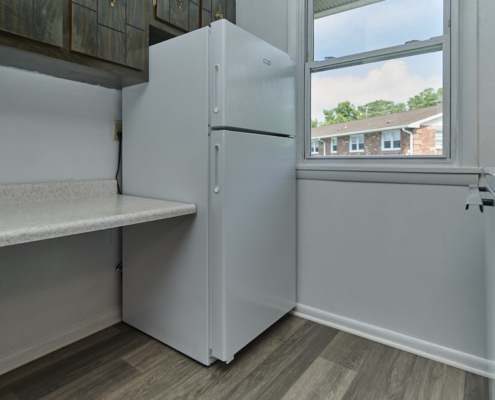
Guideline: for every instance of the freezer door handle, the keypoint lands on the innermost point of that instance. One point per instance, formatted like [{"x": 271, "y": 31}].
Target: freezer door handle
[
  {"x": 216, "y": 89},
  {"x": 216, "y": 187}
]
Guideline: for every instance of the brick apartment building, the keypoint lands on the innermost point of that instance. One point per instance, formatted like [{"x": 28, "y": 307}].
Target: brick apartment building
[{"x": 416, "y": 132}]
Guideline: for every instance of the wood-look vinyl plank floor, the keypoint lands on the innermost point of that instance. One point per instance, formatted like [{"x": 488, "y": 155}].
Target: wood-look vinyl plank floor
[{"x": 293, "y": 360}]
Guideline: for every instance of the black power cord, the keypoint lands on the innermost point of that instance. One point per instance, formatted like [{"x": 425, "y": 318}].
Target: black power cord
[{"x": 119, "y": 135}]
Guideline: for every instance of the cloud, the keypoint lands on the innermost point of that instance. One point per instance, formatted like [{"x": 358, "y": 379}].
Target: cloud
[{"x": 393, "y": 82}]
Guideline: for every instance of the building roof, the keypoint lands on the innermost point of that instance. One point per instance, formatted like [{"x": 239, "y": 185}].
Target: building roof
[{"x": 376, "y": 124}]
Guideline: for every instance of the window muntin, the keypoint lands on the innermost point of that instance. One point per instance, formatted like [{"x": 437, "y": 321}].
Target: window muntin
[
  {"x": 356, "y": 144},
  {"x": 423, "y": 61},
  {"x": 333, "y": 145},
  {"x": 315, "y": 148},
  {"x": 391, "y": 140},
  {"x": 373, "y": 24}
]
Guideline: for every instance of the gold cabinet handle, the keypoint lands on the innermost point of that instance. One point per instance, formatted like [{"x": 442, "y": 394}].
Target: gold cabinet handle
[
  {"x": 219, "y": 14},
  {"x": 112, "y": 3},
  {"x": 179, "y": 4}
]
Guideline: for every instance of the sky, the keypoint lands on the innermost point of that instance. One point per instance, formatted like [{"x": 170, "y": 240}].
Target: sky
[{"x": 384, "y": 24}]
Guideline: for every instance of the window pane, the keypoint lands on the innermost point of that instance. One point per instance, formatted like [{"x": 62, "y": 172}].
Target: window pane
[
  {"x": 375, "y": 97},
  {"x": 344, "y": 27},
  {"x": 386, "y": 144}
]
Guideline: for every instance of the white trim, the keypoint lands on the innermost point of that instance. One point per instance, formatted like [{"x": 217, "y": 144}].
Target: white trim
[
  {"x": 55, "y": 342},
  {"x": 358, "y": 150},
  {"x": 416, "y": 125},
  {"x": 457, "y": 359}
]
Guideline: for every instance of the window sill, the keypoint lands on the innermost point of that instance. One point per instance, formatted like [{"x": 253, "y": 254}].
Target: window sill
[{"x": 376, "y": 173}]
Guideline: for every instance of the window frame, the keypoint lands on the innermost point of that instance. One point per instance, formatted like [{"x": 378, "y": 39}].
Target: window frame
[
  {"x": 440, "y": 43},
  {"x": 391, "y": 132},
  {"x": 317, "y": 147},
  {"x": 332, "y": 151},
  {"x": 358, "y": 150}
]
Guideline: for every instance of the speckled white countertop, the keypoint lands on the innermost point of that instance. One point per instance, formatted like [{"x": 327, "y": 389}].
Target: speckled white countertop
[{"x": 35, "y": 212}]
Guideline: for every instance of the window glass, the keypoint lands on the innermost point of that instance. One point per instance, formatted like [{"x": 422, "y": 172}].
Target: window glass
[
  {"x": 344, "y": 27},
  {"x": 397, "y": 94}
]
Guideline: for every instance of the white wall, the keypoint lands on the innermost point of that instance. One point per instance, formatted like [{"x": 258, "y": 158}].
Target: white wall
[
  {"x": 56, "y": 291},
  {"x": 265, "y": 19},
  {"x": 403, "y": 263}
]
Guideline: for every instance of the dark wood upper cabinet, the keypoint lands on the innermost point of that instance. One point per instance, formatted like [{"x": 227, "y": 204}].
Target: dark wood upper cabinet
[
  {"x": 102, "y": 42},
  {"x": 179, "y": 13},
  {"x": 49, "y": 21},
  {"x": 16, "y": 16},
  {"x": 84, "y": 30},
  {"x": 111, "y": 45},
  {"x": 111, "y": 13},
  {"x": 135, "y": 14},
  {"x": 92, "y": 4}
]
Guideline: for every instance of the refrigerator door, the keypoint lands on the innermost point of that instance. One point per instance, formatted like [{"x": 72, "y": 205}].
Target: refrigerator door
[
  {"x": 253, "y": 83},
  {"x": 253, "y": 236}
]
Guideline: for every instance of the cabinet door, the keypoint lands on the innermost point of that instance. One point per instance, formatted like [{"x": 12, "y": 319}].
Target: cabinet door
[
  {"x": 135, "y": 47},
  {"x": 49, "y": 21},
  {"x": 93, "y": 4},
  {"x": 16, "y": 16},
  {"x": 135, "y": 14},
  {"x": 111, "y": 45},
  {"x": 193, "y": 16},
  {"x": 179, "y": 13},
  {"x": 111, "y": 13},
  {"x": 84, "y": 30},
  {"x": 206, "y": 18},
  {"x": 163, "y": 10}
]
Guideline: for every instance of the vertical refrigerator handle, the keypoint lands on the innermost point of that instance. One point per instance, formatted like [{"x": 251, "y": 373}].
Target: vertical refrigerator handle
[
  {"x": 216, "y": 185},
  {"x": 216, "y": 89}
]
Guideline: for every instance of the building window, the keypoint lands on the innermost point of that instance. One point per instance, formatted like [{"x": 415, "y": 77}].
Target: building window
[
  {"x": 315, "y": 148},
  {"x": 439, "y": 139},
  {"x": 357, "y": 144},
  {"x": 363, "y": 76},
  {"x": 333, "y": 144},
  {"x": 391, "y": 140}
]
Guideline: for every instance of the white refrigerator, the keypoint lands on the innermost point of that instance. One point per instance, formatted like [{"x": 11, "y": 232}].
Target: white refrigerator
[{"x": 214, "y": 126}]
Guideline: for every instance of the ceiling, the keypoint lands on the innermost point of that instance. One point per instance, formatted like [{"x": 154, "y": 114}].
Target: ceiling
[{"x": 322, "y": 8}]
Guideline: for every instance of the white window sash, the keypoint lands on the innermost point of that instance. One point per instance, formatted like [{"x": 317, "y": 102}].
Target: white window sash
[{"x": 440, "y": 43}]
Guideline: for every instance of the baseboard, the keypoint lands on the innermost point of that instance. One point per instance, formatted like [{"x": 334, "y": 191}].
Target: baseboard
[
  {"x": 454, "y": 358},
  {"x": 57, "y": 341}
]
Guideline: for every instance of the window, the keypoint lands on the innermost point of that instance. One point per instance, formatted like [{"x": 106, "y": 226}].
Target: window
[
  {"x": 333, "y": 145},
  {"x": 439, "y": 139},
  {"x": 365, "y": 76},
  {"x": 391, "y": 140},
  {"x": 315, "y": 147},
  {"x": 357, "y": 144}
]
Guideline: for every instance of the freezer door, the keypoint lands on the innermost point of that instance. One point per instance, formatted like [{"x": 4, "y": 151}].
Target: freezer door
[
  {"x": 253, "y": 236},
  {"x": 253, "y": 83}
]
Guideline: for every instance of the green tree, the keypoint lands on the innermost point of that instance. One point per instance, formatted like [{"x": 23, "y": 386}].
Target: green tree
[
  {"x": 426, "y": 98},
  {"x": 344, "y": 112},
  {"x": 315, "y": 123},
  {"x": 380, "y": 107}
]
